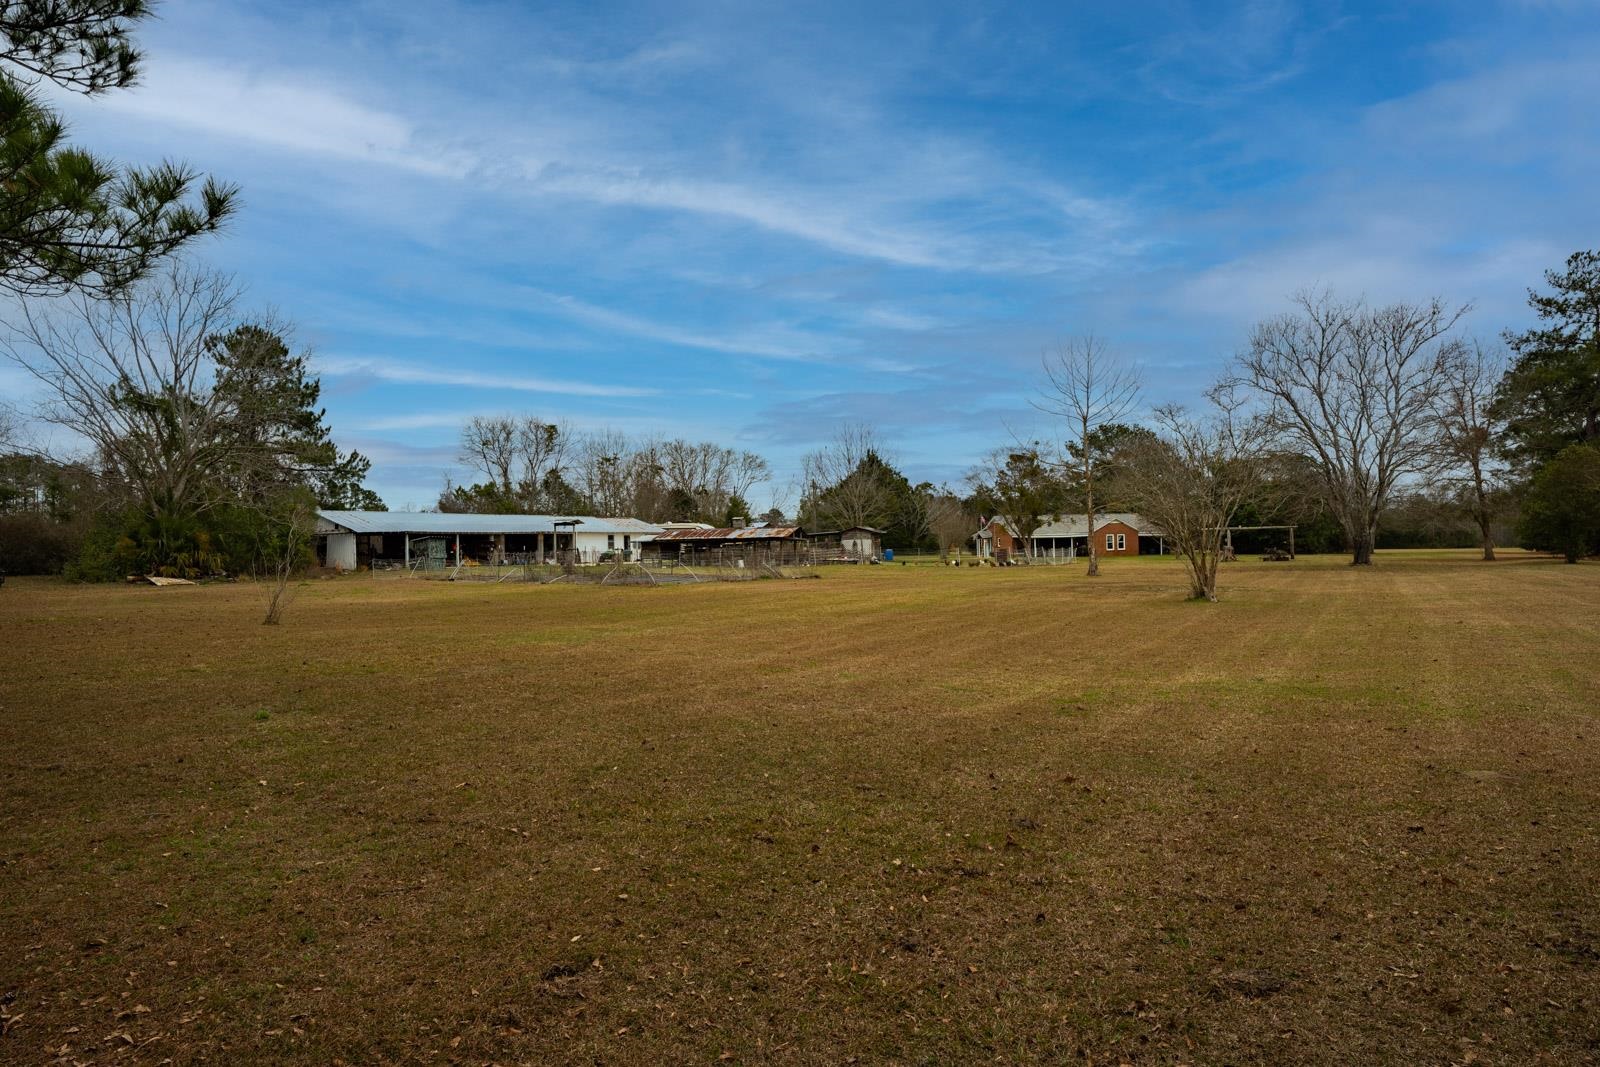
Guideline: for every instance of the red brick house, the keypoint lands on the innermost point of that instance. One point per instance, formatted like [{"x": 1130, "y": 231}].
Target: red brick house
[{"x": 1117, "y": 533}]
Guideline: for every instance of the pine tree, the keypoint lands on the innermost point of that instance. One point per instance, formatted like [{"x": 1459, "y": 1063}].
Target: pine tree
[
  {"x": 1550, "y": 397},
  {"x": 70, "y": 220}
]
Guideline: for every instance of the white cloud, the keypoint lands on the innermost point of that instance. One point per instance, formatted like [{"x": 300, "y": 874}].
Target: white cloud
[
  {"x": 778, "y": 342},
  {"x": 872, "y": 197},
  {"x": 809, "y": 221},
  {"x": 281, "y": 109},
  {"x": 411, "y": 374}
]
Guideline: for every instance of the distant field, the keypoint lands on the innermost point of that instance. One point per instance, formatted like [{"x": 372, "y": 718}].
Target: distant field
[{"x": 905, "y": 814}]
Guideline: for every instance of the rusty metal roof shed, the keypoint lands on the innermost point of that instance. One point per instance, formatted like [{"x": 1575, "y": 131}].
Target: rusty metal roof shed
[{"x": 734, "y": 533}]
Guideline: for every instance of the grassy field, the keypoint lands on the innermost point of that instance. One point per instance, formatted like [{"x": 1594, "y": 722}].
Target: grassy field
[{"x": 899, "y": 815}]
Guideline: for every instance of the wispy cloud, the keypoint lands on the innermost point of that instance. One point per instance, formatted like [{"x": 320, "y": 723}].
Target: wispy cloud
[
  {"x": 759, "y": 222},
  {"x": 283, "y": 109},
  {"x": 813, "y": 222},
  {"x": 890, "y": 200},
  {"x": 777, "y": 342},
  {"x": 411, "y": 374}
]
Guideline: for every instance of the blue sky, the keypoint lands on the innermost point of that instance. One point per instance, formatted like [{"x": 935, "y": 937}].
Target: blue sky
[{"x": 749, "y": 222}]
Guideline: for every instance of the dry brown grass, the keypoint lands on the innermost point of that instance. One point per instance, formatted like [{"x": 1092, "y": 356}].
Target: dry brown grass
[{"x": 906, "y": 815}]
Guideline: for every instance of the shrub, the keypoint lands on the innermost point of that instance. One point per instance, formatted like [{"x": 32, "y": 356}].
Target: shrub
[{"x": 34, "y": 543}]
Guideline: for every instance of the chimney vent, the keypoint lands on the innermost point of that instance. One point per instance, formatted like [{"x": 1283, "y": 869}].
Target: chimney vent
[{"x": 738, "y": 522}]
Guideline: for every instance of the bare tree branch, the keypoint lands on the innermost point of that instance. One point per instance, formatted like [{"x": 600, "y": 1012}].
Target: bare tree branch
[
  {"x": 1086, "y": 388},
  {"x": 1355, "y": 388}
]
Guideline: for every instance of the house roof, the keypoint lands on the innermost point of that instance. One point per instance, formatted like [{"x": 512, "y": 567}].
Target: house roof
[
  {"x": 847, "y": 529},
  {"x": 733, "y": 533},
  {"x": 433, "y": 522},
  {"x": 1078, "y": 525}
]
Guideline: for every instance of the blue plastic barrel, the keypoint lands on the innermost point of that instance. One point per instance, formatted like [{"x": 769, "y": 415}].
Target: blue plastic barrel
[{"x": 888, "y": 555}]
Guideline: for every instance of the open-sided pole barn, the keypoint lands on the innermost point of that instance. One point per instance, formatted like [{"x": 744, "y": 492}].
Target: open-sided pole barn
[{"x": 349, "y": 540}]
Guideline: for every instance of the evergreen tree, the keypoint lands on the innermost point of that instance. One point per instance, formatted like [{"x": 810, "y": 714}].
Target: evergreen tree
[
  {"x": 1022, "y": 490},
  {"x": 68, "y": 219},
  {"x": 1550, "y": 397},
  {"x": 281, "y": 439},
  {"x": 737, "y": 508},
  {"x": 1562, "y": 510},
  {"x": 1109, "y": 445}
]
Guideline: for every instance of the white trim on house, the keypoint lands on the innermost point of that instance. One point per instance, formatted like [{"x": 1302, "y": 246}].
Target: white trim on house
[{"x": 1046, "y": 539}]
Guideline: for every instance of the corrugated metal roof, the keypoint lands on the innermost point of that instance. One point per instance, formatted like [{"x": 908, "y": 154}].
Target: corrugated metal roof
[
  {"x": 433, "y": 522},
  {"x": 733, "y": 533}
]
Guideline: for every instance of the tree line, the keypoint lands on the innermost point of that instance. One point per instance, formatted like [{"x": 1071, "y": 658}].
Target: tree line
[
  {"x": 530, "y": 466},
  {"x": 198, "y": 445},
  {"x": 194, "y": 440},
  {"x": 1341, "y": 417}
]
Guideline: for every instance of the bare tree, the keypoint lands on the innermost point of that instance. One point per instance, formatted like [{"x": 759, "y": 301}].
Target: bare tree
[
  {"x": 1192, "y": 477},
  {"x": 702, "y": 478},
  {"x": 489, "y": 444},
  {"x": 745, "y": 470},
  {"x": 515, "y": 454},
  {"x": 648, "y": 496},
  {"x": 131, "y": 374},
  {"x": 1087, "y": 388},
  {"x": 913, "y": 515},
  {"x": 844, "y": 486},
  {"x": 604, "y": 472},
  {"x": 297, "y": 521},
  {"x": 1357, "y": 389},
  {"x": 1469, "y": 432},
  {"x": 950, "y": 521},
  {"x": 8, "y": 427}
]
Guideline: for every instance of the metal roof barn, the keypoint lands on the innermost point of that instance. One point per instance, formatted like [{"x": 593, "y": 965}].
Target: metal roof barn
[{"x": 433, "y": 523}]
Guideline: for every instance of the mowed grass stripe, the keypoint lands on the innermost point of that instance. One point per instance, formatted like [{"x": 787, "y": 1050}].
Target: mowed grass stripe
[{"x": 906, "y": 814}]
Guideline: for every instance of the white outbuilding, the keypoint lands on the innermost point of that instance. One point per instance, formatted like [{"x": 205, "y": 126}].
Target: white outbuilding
[{"x": 347, "y": 540}]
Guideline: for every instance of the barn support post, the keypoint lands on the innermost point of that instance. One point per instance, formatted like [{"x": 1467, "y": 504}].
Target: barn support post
[
  {"x": 458, "y": 550},
  {"x": 408, "y": 552},
  {"x": 1291, "y": 542}
]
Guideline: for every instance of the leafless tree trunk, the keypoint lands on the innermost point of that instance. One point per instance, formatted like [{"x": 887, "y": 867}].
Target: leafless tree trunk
[
  {"x": 1467, "y": 436},
  {"x": 1355, "y": 388},
  {"x": 1087, "y": 388},
  {"x": 1193, "y": 477}
]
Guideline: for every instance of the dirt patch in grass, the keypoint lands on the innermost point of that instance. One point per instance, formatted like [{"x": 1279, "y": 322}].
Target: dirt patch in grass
[{"x": 902, "y": 814}]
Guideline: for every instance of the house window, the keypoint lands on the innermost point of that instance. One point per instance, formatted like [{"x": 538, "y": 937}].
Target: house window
[
  {"x": 1111, "y": 542},
  {"x": 1122, "y": 542},
  {"x": 627, "y": 541},
  {"x": 611, "y": 541}
]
